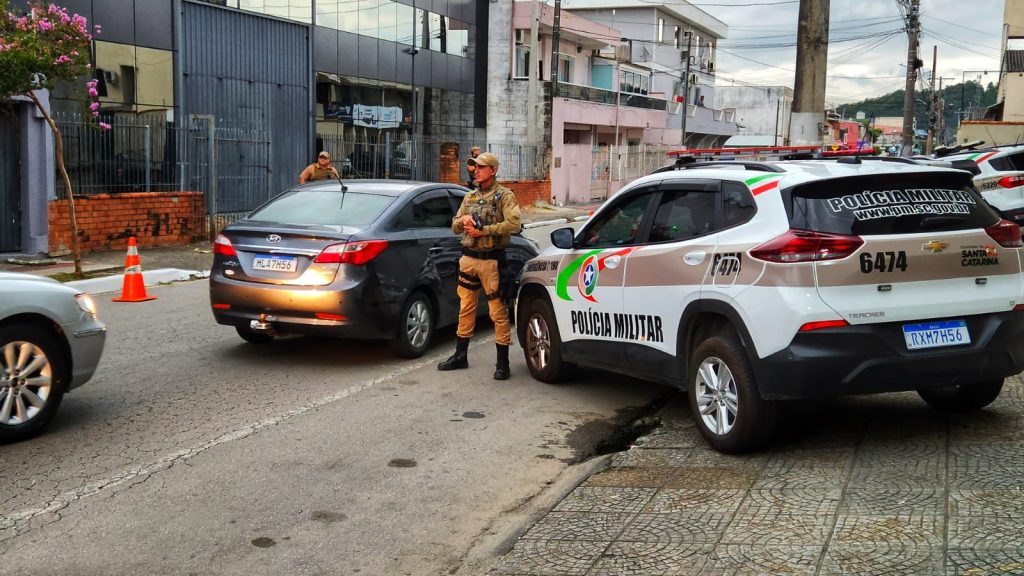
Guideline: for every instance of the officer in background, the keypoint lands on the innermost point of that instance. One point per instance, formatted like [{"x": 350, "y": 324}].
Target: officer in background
[
  {"x": 487, "y": 219},
  {"x": 321, "y": 170},
  {"x": 471, "y": 167}
]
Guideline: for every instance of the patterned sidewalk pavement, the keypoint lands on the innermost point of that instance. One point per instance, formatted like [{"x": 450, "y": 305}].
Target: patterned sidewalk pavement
[{"x": 866, "y": 485}]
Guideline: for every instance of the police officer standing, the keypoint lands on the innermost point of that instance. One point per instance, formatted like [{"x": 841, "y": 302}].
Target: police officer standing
[
  {"x": 321, "y": 170},
  {"x": 471, "y": 167},
  {"x": 487, "y": 219}
]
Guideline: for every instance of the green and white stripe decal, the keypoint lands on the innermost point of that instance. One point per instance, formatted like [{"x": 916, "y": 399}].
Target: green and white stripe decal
[{"x": 763, "y": 182}]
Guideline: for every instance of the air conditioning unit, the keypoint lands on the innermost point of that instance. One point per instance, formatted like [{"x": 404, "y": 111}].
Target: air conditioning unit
[
  {"x": 711, "y": 66},
  {"x": 111, "y": 77}
]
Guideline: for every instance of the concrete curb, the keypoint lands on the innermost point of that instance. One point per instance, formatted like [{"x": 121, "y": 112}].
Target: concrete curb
[
  {"x": 149, "y": 278},
  {"x": 568, "y": 220}
]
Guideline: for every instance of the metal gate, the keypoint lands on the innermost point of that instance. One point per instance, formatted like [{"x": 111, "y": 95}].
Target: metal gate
[
  {"x": 10, "y": 186},
  {"x": 230, "y": 165}
]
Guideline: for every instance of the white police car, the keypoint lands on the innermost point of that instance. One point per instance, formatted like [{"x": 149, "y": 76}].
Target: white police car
[
  {"x": 797, "y": 279},
  {"x": 1000, "y": 179}
]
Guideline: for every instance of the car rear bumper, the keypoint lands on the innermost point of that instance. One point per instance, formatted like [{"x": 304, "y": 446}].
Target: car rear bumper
[
  {"x": 294, "y": 309},
  {"x": 873, "y": 358}
]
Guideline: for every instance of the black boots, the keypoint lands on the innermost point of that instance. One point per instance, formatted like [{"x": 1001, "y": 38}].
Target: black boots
[
  {"x": 501, "y": 371},
  {"x": 458, "y": 361}
]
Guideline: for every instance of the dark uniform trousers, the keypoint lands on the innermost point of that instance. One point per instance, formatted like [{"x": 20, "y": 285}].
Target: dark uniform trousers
[{"x": 474, "y": 274}]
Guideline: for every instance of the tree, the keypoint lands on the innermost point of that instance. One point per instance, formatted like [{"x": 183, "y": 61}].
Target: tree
[{"x": 39, "y": 49}]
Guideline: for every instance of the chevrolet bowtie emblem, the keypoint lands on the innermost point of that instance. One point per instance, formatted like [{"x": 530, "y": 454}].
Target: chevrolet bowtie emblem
[{"x": 934, "y": 246}]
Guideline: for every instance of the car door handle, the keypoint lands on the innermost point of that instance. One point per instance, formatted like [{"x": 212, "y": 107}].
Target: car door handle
[
  {"x": 435, "y": 251},
  {"x": 694, "y": 258}
]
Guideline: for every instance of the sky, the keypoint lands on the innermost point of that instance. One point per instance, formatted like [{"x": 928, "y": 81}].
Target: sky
[{"x": 867, "y": 49}]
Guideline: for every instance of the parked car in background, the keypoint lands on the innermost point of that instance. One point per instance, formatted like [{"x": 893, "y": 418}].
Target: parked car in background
[
  {"x": 1000, "y": 177},
  {"x": 374, "y": 259},
  {"x": 50, "y": 343},
  {"x": 757, "y": 282}
]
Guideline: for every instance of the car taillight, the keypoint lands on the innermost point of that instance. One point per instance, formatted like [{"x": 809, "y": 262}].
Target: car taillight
[
  {"x": 806, "y": 246},
  {"x": 222, "y": 246},
  {"x": 1011, "y": 181},
  {"x": 356, "y": 253},
  {"x": 810, "y": 326},
  {"x": 1006, "y": 233}
]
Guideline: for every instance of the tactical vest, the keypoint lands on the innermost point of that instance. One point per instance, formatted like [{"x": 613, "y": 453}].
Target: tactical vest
[
  {"x": 487, "y": 207},
  {"x": 322, "y": 173}
]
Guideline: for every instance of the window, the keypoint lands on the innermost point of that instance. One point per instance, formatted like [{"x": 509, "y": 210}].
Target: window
[
  {"x": 1008, "y": 163},
  {"x": 632, "y": 82},
  {"x": 620, "y": 226},
  {"x": 522, "y": 54},
  {"x": 323, "y": 207},
  {"x": 661, "y": 30},
  {"x": 677, "y": 36},
  {"x": 738, "y": 203},
  {"x": 431, "y": 212},
  {"x": 682, "y": 215},
  {"x": 912, "y": 203},
  {"x": 369, "y": 18},
  {"x": 566, "y": 65},
  {"x": 405, "y": 23}
]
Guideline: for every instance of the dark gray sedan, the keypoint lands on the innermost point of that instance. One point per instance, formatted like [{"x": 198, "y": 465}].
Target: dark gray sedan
[{"x": 375, "y": 260}]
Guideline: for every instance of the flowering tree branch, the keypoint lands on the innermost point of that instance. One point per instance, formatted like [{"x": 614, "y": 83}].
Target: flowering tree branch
[{"x": 39, "y": 49}]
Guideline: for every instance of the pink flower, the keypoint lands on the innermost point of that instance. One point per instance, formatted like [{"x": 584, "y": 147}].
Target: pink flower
[
  {"x": 93, "y": 92},
  {"x": 62, "y": 59},
  {"x": 94, "y": 106},
  {"x": 104, "y": 126},
  {"x": 44, "y": 25}
]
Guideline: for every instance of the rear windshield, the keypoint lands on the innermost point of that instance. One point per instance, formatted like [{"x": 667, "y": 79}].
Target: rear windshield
[
  {"x": 324, "y": 208},
  {"x": 1008, "y": 163},
  {"x": 889, "y": 204}
]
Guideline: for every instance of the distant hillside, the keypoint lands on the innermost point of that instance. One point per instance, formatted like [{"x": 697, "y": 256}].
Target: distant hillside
[{"x": 891, "y": 104}]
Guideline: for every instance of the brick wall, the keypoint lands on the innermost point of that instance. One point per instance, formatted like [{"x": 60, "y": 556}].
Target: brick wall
[
  {"x": 529, "y": 191},
  {"x": 450, "y": 164},
  {"x": 105, "y": 221}
]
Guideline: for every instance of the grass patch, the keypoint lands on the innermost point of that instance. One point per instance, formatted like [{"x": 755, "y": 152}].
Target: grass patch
[{"x": 70, "y": 276}]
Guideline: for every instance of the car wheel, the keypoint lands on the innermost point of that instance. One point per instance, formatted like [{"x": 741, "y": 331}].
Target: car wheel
[
  {"x": 33, "y": 368},
  {"x": 965, "y": 398},
  {"x": 543, "y": 347},
  {"x": 728, "y": 409},
  {"x": 253, "y": 336},
  {"x": 415, "y": 327}
]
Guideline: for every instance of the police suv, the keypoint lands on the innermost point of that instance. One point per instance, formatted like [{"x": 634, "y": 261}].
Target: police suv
[
  {"x": 1000, "y": 177},
  {"x": 786, "y": 280}
]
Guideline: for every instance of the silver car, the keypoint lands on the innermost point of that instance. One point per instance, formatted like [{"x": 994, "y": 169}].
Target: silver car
[{"x": 50, "y": 342}]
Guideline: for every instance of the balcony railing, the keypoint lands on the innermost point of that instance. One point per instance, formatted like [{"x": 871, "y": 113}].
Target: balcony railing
[{"x": 602, "y": 96}]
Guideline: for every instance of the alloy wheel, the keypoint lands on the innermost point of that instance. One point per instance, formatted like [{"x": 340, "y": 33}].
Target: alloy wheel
[
  {"x": 717, "y": 399},
  {"x": 417, "y": 324},
  {"x": 26, "y": 378},
  {"x": 538, "y": 342}
]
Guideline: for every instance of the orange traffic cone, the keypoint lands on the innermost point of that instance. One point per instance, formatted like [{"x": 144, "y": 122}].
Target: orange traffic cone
[{"x": 133, "y": 289}]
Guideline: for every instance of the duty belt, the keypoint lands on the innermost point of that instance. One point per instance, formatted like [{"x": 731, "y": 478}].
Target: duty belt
[{"x": 483, "y": 254}]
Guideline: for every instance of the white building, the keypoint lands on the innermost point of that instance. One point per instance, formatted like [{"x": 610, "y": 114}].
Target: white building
[
  {"x": 762, "y": 113},
  {"x": 661, "y": 37}
]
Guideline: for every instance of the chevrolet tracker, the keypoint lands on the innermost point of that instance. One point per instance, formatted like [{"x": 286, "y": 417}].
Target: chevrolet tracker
[{"x": 763, "y": 282}]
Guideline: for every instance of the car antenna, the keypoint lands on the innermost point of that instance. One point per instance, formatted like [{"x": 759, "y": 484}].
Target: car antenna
[{"x": 343, "y": 190}]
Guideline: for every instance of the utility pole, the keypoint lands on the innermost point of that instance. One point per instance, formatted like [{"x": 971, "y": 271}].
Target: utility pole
[
  {"x": 934, "y": 103},
  {"x": 556, "y": 35},
  {"x": 532, "y": 73},
  {"x": 913, "y": 30},
  {"x": 686, "y": 87},
  {"x": 808, "y": 116}
]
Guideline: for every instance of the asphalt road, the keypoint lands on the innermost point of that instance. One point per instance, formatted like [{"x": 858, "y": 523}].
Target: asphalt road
[{"x": 193, "y": 452}]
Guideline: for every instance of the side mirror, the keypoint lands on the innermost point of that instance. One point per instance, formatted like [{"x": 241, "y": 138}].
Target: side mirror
[{"x": 562, "y": 238}]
